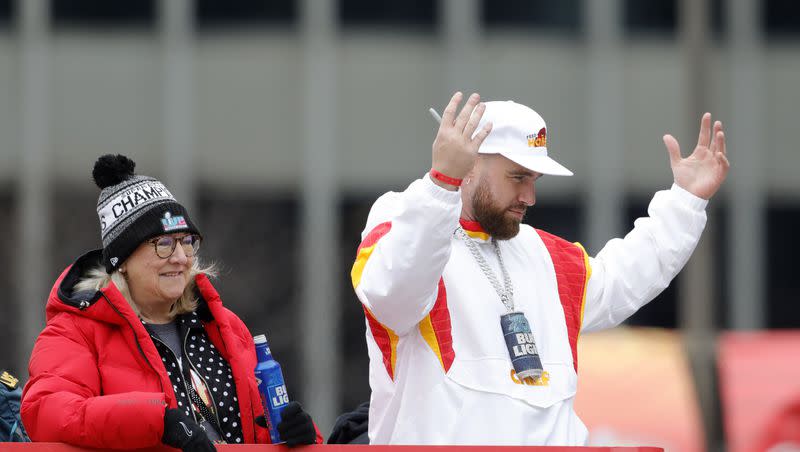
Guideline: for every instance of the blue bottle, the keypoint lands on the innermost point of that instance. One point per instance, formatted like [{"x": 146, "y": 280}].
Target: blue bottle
[{"x": 271, "y": 386}]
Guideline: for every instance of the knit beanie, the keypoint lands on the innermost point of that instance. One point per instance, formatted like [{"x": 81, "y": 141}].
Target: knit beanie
[{"x": 132, "y": 209}]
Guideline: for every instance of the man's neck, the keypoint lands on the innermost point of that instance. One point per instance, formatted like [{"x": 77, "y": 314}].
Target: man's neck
[{"x": 466, "y": 211}]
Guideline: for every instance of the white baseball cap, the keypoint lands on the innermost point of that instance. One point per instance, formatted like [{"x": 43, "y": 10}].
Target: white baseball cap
[{"x": 519, "y": 134}]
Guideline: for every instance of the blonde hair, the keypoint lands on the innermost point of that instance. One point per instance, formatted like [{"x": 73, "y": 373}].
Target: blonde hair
[{"x": 97, "y": 278}]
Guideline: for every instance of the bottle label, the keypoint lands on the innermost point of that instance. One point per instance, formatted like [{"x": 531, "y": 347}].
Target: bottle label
[{"x": 278, "y": 396}]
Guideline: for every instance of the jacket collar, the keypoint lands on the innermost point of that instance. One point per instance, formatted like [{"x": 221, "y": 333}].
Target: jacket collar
[{"x": 474, "y": 229}]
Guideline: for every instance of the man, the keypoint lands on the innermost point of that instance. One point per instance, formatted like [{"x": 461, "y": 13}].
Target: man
[{"x": 473, "y": 318}]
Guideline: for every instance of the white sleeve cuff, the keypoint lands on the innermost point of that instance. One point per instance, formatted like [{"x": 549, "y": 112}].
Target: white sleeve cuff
[
  {"x": 693, "y": 201},
  {"x": 439, "y": 193}
]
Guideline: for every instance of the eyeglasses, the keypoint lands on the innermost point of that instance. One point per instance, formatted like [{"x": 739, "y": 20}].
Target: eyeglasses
[{"x": 165, "y": 245}]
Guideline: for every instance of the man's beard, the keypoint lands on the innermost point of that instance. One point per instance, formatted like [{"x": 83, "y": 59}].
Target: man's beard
[{"x": 494, "y": 220}]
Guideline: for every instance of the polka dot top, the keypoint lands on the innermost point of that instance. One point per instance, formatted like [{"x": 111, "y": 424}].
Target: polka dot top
[{"x": 201, "y": 378}]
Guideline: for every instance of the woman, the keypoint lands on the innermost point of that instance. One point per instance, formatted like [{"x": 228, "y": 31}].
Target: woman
[{"x": 138, "y": 349}]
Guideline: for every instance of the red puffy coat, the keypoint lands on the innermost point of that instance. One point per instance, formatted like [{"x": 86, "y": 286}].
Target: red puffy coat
[{"x": 97, "y": 380}]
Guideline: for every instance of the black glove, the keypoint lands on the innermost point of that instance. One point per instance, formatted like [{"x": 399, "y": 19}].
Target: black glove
[
  {"x": 296, "y": 426},
  {"x": 182, "y": 432}
]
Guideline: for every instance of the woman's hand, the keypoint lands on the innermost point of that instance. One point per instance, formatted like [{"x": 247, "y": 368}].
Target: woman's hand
[{"x": 183, "y": 433}]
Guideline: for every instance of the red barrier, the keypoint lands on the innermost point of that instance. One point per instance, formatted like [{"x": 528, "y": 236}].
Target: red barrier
[
  {"x": 759, "y": 378},
  {"x": 58, "y": 447}
]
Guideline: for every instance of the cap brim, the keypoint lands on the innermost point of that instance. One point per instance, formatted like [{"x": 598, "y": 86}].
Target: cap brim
[{"x": 538, "y": 163}]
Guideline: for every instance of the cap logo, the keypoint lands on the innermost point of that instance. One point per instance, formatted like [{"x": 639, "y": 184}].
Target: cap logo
[
  {"x": 114, "y": 261},
  {"x": 539, "y": 140},
  {"x": 171, "y": 223}
]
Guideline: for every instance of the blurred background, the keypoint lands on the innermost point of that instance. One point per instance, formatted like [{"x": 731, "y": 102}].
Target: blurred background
[{"x": 278, "y": 123}]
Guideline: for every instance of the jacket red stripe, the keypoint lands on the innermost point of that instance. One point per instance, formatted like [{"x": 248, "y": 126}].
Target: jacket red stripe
[
  {"x": 571, "y": 274},
  {"x": 440, "y": 320}
]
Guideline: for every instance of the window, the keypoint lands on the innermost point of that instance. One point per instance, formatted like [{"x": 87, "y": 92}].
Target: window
[
  {"x": 654, "y": 17},
  {"x": 410, "y": 13},
  {"x": 353, "y": 211},
  {"x": 533, "y": 15},
  {"x": 563, "y": 219},
  {"x": 782, "y": 18},
  {"x": 783, "y": 222},
  {"x": 103, "y": 13},
  {"x": 9, "y": 327},
  {"x": 718, "y": 17},
  {"x": 211, "y": 14},
  {"x": 254, "y": 240},
  {"x": 6, "y": 13}
]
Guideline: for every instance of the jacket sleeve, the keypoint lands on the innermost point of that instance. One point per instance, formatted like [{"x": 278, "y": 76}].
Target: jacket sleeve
[
  {"x": 62, "y": 401},
  {"x": 628, "y": 273},
  {"x": 403, "y": 252}
]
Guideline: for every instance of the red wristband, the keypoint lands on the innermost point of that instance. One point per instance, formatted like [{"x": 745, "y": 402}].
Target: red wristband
[{"x": 446, "y": 179}]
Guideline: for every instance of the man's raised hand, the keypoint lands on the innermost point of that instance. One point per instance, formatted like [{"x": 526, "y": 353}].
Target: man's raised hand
[
  {"x": 703, "y": 172},
  {"x": 454, "y": 149}
]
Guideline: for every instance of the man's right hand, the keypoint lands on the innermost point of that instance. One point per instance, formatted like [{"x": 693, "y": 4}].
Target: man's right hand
[
  {"x": 183, "y": 433},
  {"x": 454, "y": 149}
]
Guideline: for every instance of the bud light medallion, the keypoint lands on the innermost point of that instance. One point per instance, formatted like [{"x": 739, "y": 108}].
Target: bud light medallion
[{"x": 521, "y": 345}]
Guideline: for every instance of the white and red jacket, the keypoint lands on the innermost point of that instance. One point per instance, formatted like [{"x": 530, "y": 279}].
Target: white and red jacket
[{"x": 439, "y": 367}]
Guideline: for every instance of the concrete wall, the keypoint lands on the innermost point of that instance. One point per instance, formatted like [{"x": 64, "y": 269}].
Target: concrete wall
[{"x": 107, "y": 88}]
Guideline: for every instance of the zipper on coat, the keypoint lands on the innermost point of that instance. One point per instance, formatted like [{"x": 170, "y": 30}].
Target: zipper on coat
[
  {"x": 213, "y": 402},
  {"x": 185, "y": 388}
]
